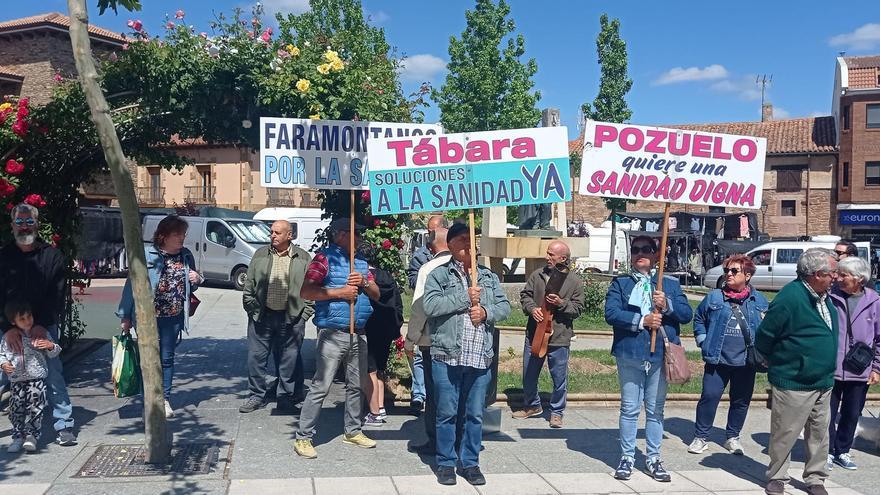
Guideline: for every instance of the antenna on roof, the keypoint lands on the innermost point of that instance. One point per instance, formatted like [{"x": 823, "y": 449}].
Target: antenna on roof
[{"x": 764, "y": 80}]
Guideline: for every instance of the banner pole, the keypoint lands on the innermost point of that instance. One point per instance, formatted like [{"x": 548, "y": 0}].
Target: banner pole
[
  {"x": 473, "y": 248},
  {"x": 351, "y": 249},
  {"x": 661, "y": 267}
]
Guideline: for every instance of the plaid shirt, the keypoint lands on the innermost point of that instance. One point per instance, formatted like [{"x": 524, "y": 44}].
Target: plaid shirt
[
  {"x": 820, "y": 304},
  {"x": 279, "y": 280},
  {"x": 472, "y": 338}
]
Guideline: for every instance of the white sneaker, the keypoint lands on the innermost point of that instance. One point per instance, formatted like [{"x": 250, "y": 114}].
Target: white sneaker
[
  {"x": 733, "y": 446},
  {"x": 15, "y": 446},
  {"x": 698, "y": 446},
  {"x": 169, "y": 413},
  {"x": 30, "y": 444},
  {"x": 829, "y": 465}
]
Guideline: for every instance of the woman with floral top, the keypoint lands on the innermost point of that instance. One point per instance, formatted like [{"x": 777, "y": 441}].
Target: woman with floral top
[{"x": 171, "y": 268}]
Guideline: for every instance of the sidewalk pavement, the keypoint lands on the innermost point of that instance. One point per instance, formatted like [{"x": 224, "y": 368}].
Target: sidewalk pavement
[{"x": 256, "y": 456}]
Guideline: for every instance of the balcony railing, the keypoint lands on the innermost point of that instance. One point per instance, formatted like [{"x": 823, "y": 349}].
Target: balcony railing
[
  {"x": 281, "y": 197},
  {"x": 200, "y": 195},
  {"x": 309, "y": 203},
  {"x": 151, "y": 196}
]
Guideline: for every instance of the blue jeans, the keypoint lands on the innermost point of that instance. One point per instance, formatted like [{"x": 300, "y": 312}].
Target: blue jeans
[
  {"x": 454, "y": 385},
  {"x": 418, "y": 376},
  {"x": 641, "y": 382},
  {"x": 715, "y": 379},
  {"x": 169, "y": 336},
  {"x": 56, "y": 389},
  {"x": 557, "y": 361}
]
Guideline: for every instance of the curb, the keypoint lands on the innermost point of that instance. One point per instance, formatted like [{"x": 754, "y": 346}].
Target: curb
[{"x": 81, "y": 349}]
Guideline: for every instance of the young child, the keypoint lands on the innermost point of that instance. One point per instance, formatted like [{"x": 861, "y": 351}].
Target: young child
[{"x": 23, "y": 353}]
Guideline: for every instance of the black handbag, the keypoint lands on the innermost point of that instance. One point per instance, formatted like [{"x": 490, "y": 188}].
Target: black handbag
[
  {"x": 860, "y": 355},
  {"x": 754, "y": 359}
]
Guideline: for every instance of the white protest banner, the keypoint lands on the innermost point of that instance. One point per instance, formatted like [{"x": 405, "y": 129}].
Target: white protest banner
[
  {"x": 672, "y": 165},
  {"x": 323, "y": 154},
  {"x": 469, "y": 170}
]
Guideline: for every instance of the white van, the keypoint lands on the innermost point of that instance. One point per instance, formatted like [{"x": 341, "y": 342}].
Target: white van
[
  {"x": 305, "y": 223},
  {"x": 596, "y": 260},
  {"x": 776, "y": 262},
  {"x": 222, "y": 247}
]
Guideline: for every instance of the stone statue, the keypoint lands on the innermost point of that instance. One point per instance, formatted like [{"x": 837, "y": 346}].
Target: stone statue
[{"x": 538, "y": 217}]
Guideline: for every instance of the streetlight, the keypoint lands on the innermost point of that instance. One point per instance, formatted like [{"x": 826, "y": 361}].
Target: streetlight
[{"x": 764, "y": 207}]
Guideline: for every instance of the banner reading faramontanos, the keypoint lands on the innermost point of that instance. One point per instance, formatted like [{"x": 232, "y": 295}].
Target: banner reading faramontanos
[
  {"x": 672, "y": 165},
  {"x": 469, "y": 170},
  {"x": 323, "y": 154}
]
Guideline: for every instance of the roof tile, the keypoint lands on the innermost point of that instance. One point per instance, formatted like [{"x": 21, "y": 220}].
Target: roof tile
[{"x": 58, "y": 20}]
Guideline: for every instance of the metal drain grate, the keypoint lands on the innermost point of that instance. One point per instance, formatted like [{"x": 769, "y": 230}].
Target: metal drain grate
[{"x": 114, "y": 461}]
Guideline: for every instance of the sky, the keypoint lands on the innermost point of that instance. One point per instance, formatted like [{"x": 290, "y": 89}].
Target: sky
[{"x": 691, "y": 62}]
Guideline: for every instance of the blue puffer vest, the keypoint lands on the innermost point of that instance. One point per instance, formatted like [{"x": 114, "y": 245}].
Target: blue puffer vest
[{"x": 334, "y": 313}]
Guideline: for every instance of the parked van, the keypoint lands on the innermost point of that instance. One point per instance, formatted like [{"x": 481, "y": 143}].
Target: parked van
[
  {"x": 776, "y": 262},
  {"x": 596, "y": 260},
  {"x": 305, "y": 223},
  {"x": 222, "y": 247}
]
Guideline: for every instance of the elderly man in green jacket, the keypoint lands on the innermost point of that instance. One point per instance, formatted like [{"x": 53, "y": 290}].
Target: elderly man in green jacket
[
  {"x": 798, "y": 337},
  {"x": 461, "y": 320}
]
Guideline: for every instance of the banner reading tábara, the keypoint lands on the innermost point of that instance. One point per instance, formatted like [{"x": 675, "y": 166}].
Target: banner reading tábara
[
  {"x": 324, "y": 154},
  {"x": 672, "y": 165},
  {"x": 469, "y": 170}
]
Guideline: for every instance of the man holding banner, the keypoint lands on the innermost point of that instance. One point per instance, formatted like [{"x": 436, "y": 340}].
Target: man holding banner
[{"x": 461, "y": 319}]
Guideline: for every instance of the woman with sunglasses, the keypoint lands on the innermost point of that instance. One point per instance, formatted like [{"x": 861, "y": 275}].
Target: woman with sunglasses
[
  {"x": 634, "y": 307},
  {"x": 724, "y": 325}
]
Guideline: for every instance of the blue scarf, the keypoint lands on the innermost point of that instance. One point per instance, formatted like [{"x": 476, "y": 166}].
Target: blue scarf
[{"x": 641, "y": 293}]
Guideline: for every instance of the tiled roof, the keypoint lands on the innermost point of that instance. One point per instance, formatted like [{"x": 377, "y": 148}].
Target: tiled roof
[
  {"x": 9, "y": 73},
  {"x": 790, "y": 136},
  {"x": 867, "y": 62},
  {"x": 55, "y": 19}
]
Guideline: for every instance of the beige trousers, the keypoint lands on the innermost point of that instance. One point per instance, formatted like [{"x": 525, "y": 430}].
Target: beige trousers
[{"x": 793, "y": 411}]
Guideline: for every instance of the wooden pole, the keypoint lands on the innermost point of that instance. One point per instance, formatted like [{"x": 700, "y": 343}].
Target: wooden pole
[
  {"x": 351, "y": 248},
  {"x": 661, "y": 267},
  {"x": 473, "y": 248}
]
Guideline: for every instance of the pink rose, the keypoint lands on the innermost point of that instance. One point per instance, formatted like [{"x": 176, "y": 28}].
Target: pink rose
[
  {"x": 14, "y": 168},
  {"x": 20, "y": 128},
  {"x": 376, "y": 222},
  {"x": 365, "y": 196},
  {"x": 58, "y": 78},
  {"x": 179, "y": 14},
  {"x": 399, "y": 244},
  {"x": 135, "y": 25},
  {"x": 386, "y": 244},
  {"x": 266, "y": 36},
  {"x": 392, "y": 224},
  {"x": 169, "y": 25}
]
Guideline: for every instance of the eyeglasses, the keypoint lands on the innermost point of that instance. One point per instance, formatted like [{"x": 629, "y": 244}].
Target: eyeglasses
[
  {"x": 732, "y": 271},
  {"x": 842, "y": 253},
  {"x": 642, "y": 250},
  {"x": 30, "y": 222}
]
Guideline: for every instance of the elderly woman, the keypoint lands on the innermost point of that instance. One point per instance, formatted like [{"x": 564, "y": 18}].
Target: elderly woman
[
  {"x": 858, "y": 311},
  {"x": 724, "y": 325},
  {"x": 171, "y": 268}
]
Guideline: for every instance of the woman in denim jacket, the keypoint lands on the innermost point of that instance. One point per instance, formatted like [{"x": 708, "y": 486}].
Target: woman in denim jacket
[{"x": 718, "y": 331}]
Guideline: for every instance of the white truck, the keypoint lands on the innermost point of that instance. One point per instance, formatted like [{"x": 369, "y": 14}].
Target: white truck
[{"x": 304, "y": 222}]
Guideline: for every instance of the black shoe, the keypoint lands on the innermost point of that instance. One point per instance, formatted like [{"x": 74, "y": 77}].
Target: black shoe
[
  {"x": 658, "y": 472},
  {"x": 66, "y": 437},
  {"x": 251, "y": 405},
  {"x": 416, "y": 407},
  {"x": 427, "y": 448},
  {"x": 286, "y": 404},
  {"x": 446, "y": 475},
  {"x": 473, "y": 475},
  {"x": 624, "y": 469}
]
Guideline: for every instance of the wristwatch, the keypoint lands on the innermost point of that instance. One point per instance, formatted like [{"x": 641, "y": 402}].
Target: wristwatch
[{"x": 367, "y": 283}]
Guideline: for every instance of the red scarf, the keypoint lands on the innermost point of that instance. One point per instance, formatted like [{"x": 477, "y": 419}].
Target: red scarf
[{"x": 738, "y": 296}]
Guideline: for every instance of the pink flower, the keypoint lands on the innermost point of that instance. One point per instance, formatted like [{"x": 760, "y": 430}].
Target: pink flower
[
  {"x": 14, "y": 168},
  {"x": 365, "y": 196},
  {"x": 124, "y": 46},
  {"x": 10, "y": 206},
  {"x": 20, "y": 128},
  {"x": 35, "y": 200},
  {"x": 6, "y": 189},
  {"x": 113, "y": 57},
  {"x": 136, "y": 25},
  {"x": 386, "y": 244},
  {"x": 203, "y": 35},
  {"x": 23, "y": 102},
  {"x": 376, "y": 222},
  {"x": 169, "y": 25},
  {"x": 266, "y": 36},
  {"x": 179, "y": 14},
  {"x": 22, "y": 112},
  {"x": 56, "y": 237},
  {"x": 58, "y": 78},
  {"x": 392, "y": 224},
  {"x": 399, "y": 244}
]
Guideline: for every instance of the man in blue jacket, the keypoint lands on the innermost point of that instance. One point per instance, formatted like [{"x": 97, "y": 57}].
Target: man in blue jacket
[
  {"x": 634, "y": 307},
  {"x": 461, "y": 320},
  {"x": 333, "y": 286}
]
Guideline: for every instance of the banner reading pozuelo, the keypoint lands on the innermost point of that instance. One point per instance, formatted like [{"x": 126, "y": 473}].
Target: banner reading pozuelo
[
  {"x": 324, "y": 154},
  {"x": 672, "y": 165},
  {"x": 469, "y": 170}
]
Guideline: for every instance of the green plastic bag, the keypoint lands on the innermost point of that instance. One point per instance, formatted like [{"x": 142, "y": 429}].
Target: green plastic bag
[{"x": 126, "y": 368}]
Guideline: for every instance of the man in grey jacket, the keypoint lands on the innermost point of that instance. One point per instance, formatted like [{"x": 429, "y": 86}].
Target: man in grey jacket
[
  {"x": 461, "y": 319},
  {"x": 567, "y": 305}
]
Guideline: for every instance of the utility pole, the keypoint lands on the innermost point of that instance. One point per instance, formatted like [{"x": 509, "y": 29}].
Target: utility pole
[{"x": 764, "y": 80}]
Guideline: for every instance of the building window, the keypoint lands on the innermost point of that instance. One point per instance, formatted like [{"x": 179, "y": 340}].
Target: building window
[
  {"x": 845, "y": 117},
  {"x": 872, "y": 173},
  {"x": 716, "y": 209},
  {"x": 789, "y": 178},
  {"x": 789, "y": 208},
  {"x": 873, "y": 116},
  {"x": 845, "y": 178}
]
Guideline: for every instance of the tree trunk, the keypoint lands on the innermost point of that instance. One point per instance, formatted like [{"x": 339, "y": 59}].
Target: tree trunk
[
  {"x": 156, "y": 433},
  {"x": 611, "y": 268}
]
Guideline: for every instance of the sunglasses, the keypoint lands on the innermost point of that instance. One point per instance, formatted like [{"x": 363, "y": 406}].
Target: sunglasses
[
  {"x": 732, "y": 271},
  {"x": 842, "y": 253},
  {"x": 642, "y": 250},
  {"x": 30, "y": 222}
]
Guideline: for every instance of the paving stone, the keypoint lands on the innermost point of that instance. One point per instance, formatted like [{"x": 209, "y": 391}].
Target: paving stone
[
  {"x": 295, "y": 486},
  {"x": 516, "y": 484},
  {"x": 576, "y": 483},
  {"x": 642, "y": 483},
  {"x": 373, "y": 485},
  {"x": 25, "y": 489},
  {"x": 717, "y": 480},
  {"x": 427, "y": 485}
]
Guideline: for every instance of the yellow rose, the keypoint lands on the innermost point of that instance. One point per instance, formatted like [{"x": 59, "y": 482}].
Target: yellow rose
[
  {"x": 324, "y": 68},
  {"x": 303, "y": 85},
  {"x": 331, "y": 55},
  {"x": 315, "y": 116},
  {"x": 336, "y": 65},
  {"x": 5, "y": 106}
]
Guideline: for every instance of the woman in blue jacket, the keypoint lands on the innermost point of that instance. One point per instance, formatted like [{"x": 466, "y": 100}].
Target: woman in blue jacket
[
  {"x": 633, "y": 307},
  {"x": 718, "y": 329},
  {"x": 171, "y": 268}
]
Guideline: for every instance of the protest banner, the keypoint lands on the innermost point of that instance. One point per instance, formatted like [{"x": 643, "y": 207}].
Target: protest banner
[
  {"x": 469, "y": 170},
  {"x": 673, "y": 166},
  {"x": 324, "y": 154}
]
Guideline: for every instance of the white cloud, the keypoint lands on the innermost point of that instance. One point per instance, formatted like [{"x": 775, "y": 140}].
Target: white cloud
[
  {"x": 377, "y": 17},
  {"x": 744, "y": 87},
  {"x": 421, "y": 67},
  {"x": 818, "y": 113},
  {"x": 866, "y": 37},
  {"x": 285, "y": 6},
  {"x": 781, "y": 113},
  {"x": 681, "y": 74}
]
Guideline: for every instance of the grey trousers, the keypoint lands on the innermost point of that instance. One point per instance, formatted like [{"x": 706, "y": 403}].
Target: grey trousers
[
  {"x": 335, "y": 348},
  {"x": 281, "y": 341},
  {"x": 793, "y": 411}
]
